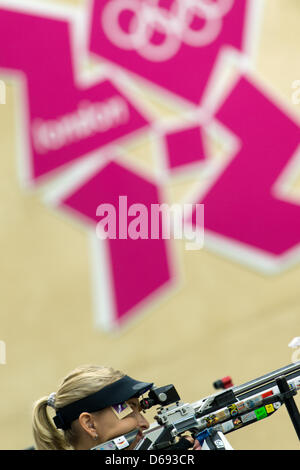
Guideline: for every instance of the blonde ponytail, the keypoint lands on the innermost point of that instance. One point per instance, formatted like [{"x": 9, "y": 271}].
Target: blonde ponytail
[
  {"x": 81, "y": 382},
  {"x": 46, "y": 436}
]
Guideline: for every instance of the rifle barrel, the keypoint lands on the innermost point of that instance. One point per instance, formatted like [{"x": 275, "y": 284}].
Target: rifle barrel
[{"x": 257, "y": 385}]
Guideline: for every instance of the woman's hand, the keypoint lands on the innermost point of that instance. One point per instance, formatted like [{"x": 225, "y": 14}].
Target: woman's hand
[{"x": 196, "y": 444}]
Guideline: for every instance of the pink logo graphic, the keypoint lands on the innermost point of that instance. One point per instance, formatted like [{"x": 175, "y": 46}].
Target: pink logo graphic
[
  {"x": 182, "y": 146},
  {"x": 171, "y": 43},
  {"x": 247, "y": 216},
  {"x": 130, "y": 272},
  {"x": 64, "y": 119}
]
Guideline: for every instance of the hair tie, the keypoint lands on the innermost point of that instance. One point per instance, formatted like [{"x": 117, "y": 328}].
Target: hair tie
[{"x": 51, "y": 400}]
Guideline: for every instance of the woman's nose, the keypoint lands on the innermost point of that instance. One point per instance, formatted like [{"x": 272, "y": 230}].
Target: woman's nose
[{"x": 142, "y": 422}]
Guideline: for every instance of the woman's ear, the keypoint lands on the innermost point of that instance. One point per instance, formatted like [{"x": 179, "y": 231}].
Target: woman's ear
[{"x": 87, "y": 422}]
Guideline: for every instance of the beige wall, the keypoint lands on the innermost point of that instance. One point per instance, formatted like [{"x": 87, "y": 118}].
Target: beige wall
[{"x": 225, "y": 319}]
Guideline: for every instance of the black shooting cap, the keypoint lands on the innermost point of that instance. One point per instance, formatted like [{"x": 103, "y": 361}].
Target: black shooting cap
[{"x": 113, "y": 394}]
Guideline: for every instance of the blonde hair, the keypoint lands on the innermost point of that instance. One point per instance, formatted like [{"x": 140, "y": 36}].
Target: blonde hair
[{"x": 79, "y": 383}]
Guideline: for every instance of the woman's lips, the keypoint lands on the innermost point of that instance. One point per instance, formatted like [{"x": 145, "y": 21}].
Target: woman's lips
[{"x": 137, "y": 439}]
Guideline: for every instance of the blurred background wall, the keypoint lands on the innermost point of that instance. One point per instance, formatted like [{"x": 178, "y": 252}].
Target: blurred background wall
[{"x": 223, "y": 318}]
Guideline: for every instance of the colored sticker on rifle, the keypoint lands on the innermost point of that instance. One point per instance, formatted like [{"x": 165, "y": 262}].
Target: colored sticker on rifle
[
  {"x": 267, "y": 394},
  {"x": 270, "y": 408},
  {"x": 107, "y": 446},
  {"x": 121, "y": 442},
  {"x": 237, "y": 423},
  {"x": 253, "y": 402},
  {"x": 241, "y": 406},
  {"x": 261, "y": 413},
  {"x": 212, "y": 419},
  {"x": 233, "y": 410},
  {"x": 249, "y": 417},
  {"x": 227, "y": 426},
  {"x": 222, "y": 414}
]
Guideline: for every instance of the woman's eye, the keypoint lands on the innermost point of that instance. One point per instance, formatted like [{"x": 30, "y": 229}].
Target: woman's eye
[{"x": 133, "y": 405}]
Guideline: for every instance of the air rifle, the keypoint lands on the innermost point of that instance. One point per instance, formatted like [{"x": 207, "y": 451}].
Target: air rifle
[{"x": 210, "y": 418}]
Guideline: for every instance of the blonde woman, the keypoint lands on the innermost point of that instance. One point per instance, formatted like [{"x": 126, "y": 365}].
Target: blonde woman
[{"x": 93, "y": 405}]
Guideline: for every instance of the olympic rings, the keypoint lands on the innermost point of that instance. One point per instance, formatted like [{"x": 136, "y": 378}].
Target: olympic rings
[{"x": 174, "y": 25}]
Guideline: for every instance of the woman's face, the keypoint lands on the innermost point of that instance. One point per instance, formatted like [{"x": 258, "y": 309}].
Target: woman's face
[{"x": 109, "y": 426}]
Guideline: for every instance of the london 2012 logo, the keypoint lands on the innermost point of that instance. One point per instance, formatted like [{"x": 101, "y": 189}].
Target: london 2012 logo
[{"x": 79, "y": 129}]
